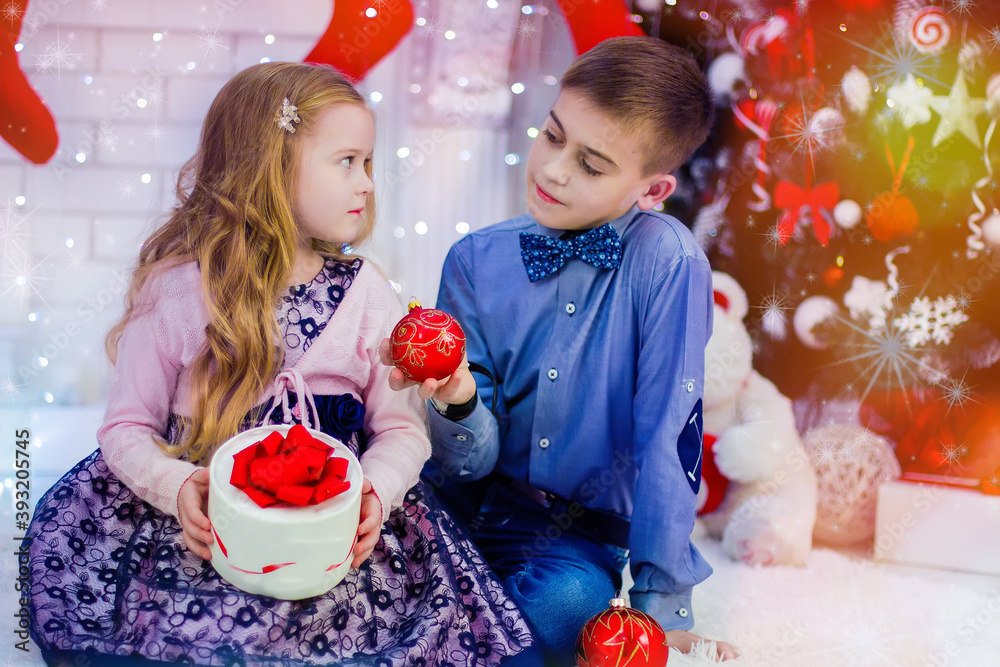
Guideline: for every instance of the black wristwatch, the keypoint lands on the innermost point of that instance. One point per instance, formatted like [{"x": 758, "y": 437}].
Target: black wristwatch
[{"x": 455, "y": 412}]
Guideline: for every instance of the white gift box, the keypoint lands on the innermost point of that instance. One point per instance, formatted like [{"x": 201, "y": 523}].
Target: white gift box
[
  {"x": 938, "y": 526},
  {"x": 282, "y": 551}
]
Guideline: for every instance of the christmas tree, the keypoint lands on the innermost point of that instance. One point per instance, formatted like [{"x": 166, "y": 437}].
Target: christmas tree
[{"x": 850, "y": 186}]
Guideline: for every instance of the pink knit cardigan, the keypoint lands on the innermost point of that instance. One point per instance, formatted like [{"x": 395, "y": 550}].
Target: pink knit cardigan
[{"x": 151, "y": 379}]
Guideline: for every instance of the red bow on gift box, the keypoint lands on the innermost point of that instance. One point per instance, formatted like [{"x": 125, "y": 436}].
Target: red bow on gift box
[
  {"x": 792, "y": 198},
  {"x": 294, "y": 469}
]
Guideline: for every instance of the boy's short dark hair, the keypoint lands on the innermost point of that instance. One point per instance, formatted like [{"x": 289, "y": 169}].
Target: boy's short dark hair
[{"x": 653, "y": 90}]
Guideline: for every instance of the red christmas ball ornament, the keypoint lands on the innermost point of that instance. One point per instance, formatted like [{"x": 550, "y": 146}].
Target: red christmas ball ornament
[
  {"x": 891, "y": 216},
  {"x": 427, "y": 343},
  {"x": 621, "y": 636},
  {"x": 832, "y": 276}
]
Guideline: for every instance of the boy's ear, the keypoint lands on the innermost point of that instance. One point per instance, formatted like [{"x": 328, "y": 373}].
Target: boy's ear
[{"x": 658, "y": 188}]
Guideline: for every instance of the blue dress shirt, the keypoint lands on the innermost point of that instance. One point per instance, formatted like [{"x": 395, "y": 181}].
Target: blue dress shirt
[{"x": 601, "y": 374}]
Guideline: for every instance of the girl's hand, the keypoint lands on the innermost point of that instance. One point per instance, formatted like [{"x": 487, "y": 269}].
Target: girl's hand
[
  {"x": 456, "y": 389},
  {"x": 370, "y": 527},
  {"x": 191, "y": 506}
]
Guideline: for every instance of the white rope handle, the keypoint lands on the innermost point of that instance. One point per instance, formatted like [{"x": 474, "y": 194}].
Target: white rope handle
[{"x": 293, "y": 378}]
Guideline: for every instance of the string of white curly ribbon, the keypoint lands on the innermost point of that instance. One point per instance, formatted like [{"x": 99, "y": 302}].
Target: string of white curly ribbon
[
  {"x": 731, "y": 36},
  {"x": 974, "y": 241},
  {"x": 763, "y": 202},
  {"x": 893, "y": 279}
]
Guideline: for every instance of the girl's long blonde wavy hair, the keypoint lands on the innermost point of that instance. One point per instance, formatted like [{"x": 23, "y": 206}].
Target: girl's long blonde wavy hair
[{"x": 235, "y": 216}]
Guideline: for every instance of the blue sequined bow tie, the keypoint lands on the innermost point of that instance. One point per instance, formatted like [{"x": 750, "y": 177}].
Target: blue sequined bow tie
[{"x": 544, "y": 255}]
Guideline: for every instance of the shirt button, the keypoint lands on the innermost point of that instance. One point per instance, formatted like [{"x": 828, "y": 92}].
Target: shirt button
[
  {"x": 543, "y": 443},
  {"x": 570, "y": 308},
  {"x": 682, "y": 612},
  {"x": 690, "y": 386},
  {"x": 553, "y": 374},
  {"x": 461, "y": 437}
]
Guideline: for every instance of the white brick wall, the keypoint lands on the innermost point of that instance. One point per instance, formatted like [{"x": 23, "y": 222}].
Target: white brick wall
[
  {"x": 65, "y": 237},
  {"x": 11, "y": 178},
  {"x": 78, "y": 44}
]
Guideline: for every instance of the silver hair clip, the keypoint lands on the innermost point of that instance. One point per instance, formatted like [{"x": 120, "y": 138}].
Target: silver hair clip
[{"x": 288, "y": 116}]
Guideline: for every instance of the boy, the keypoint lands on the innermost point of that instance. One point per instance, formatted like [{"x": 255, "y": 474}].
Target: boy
[{"x": 592, "y": 314}]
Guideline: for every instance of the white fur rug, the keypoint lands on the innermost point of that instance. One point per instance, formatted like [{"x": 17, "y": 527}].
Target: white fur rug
[
  {"x": 845, "y": 610},
  {"x": 838, "y": 611}
]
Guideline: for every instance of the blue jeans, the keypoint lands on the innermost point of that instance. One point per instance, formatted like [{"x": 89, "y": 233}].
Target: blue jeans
[{"x": 557, "y": 574}]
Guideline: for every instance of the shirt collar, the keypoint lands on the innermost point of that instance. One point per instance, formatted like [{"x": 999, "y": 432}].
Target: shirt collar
[
  {"x": 624, "y": 221},
  {"x": 619, "y": 224}
]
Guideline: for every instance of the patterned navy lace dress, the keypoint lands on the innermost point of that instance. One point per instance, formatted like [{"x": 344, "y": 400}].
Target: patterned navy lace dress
[{"x": 110, "y": 574}]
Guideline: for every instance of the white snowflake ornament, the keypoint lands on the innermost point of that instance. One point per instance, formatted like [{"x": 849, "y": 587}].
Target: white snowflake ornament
[{"x": 930, "y": 321}]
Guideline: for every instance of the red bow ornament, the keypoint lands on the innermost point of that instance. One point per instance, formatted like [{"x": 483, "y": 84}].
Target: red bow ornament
[
  {"x": 820, "y": 200},
  {"x": 294, "y": 469}
]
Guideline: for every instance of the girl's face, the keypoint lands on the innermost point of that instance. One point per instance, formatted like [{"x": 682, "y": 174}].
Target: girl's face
[{"x": 332, "y": 182}]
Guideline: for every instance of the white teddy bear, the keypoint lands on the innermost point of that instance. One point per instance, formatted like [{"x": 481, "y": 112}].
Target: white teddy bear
[{"x": 766, "y": 513}]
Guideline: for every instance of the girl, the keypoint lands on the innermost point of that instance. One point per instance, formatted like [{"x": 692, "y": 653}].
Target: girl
[{"x": 245, "y": 299}]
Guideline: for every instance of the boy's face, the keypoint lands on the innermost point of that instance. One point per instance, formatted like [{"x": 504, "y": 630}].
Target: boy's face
[{"x": 583, "y": 170}]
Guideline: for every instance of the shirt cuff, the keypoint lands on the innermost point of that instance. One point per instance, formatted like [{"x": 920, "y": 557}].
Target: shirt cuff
[
  {"x": 673, "y": 612},
  {"x": 463, "y": 450}
]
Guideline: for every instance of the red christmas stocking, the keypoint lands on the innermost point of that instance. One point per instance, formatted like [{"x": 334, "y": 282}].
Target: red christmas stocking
[
  {"x": 593, "y": 21},
  {"x": 353, "y": 42},
  {"x": 25, "y": 121}
]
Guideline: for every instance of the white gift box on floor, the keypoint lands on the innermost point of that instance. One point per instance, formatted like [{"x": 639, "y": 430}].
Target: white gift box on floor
[{"x": 938, "y": 526}]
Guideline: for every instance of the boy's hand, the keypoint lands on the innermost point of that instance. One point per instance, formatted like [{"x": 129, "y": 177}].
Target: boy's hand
[
  {"x": 684, "y": 641},
  {"x": 370, "y": 527},
  {"x": 456, "y": 389},
  {"x": 191, "y": 504}
]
